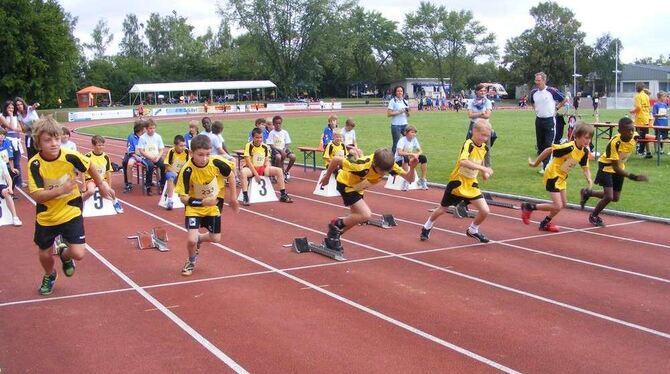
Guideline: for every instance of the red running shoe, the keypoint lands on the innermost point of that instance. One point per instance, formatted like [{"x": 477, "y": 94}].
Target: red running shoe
[
  {"x": 525, "y": 213},
  {"x": 549, "y": 227}
]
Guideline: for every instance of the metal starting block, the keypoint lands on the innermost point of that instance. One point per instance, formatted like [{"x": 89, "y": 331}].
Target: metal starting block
[
  {"x": 461, "y": 211},
  {"x": 157, "y": 239},
  {"x": 489, "y": 200},
  {"x": 302, "y": 245},
  {"x": 386, "y": 222}
]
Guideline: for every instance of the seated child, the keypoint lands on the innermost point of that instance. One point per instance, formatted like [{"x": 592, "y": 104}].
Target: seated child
[
  {"x": 349, "y": 136},
  {"x": 279, "y": 141},
  {"x": 259, "y": 124},
  {"x": 7, "y": 191},
  {"x": 201, "y": 188},
  {"x": 192, "y": 132},
  {"x": 327, "y": 135},
  {"x": 176, "y": 158},
  {"x": 611, "y": 174},
  {"x": 335, "y": 148},
  {"x": 564, "y": 158},
  {"x": 103, "y": 165},
  {"x": 65, "y": 140},
  {"x": 150, "y": 147},
  {"x": 463, "y": 186},
  {"x": 352, "y": 181},
  {"x": 257, "y": 164},
  {"x": 408, "y": 146},
  {"x": 7, "y": 153},
  {"x": 132, "y": 156}
]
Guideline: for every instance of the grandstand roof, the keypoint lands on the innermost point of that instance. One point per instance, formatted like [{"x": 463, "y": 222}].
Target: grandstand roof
[{"x": 200, "y": 86}]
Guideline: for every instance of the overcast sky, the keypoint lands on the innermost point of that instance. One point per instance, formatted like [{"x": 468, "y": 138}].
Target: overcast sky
[{"x": 505, "y": 18}]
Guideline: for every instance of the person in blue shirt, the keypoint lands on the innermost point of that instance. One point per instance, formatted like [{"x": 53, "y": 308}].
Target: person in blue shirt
[
  {"x": 131, "y": 156},
  {"x": 260, "y": 124},
  {"x": 660, "y": 113},
  {"x": 192, "y": 132},
  {"x": 327, "y": 135},
  {"x": 7, "y": 152}
]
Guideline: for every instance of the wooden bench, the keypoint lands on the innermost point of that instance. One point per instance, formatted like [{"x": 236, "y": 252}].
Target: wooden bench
[
  {"x": 658, "y": 143},
  {"x": 309, "y": 153}
]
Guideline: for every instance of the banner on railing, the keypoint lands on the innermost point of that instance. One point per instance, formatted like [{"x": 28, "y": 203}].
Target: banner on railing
[{"x": 99, "y": 114}]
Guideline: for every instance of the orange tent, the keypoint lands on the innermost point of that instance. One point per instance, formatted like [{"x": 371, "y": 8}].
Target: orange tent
[{"x": 86, "y": 96}]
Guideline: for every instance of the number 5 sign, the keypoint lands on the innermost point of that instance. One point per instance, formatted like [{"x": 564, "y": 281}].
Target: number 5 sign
[{"x": 96, "y": 206}]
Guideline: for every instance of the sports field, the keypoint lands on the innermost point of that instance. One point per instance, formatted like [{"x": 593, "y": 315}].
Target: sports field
[{"x": 441, "y": 134}]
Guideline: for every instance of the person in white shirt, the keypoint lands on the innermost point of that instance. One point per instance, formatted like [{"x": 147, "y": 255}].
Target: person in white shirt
[
  {"x": 546, "y": 101},
  {"x": 65, "y": 141},
  {"x": 279, "y": 141},
  {"x": 408, "y": 147},
  {"x": 6, "y": 193},
  {"x": 150, "y": 147},
  {"x": 349, "y": 138},
  {"x": 398, "y": 110}
]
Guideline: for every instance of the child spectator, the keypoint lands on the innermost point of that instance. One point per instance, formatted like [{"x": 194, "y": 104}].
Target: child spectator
[
  {"x": 352, "y": 181},
  {"x": 201, "y": 187},
  {"x": 132, "y": 156},
  {"x": 218, "y": 143},
  {"x": 7, "y": 153},
  {"x": 660, "y": 113},
  {"x": 54, "y": 188},
  {"x": 150, "y": 147},
  {"x": 7, "y": 187},
  {"x": 327, "y": 135},
  {"x": 103, "y": 165},
  {"x": 335, "y": 148},
  {"x": 611, "y": 174},
  {"x": 192, "y": 132},
  {"x": 349, "y": 138},
  {"x": 176, "y": 159},
  {"x": 259, "y": 124},
  {"x": 463, "y": 185},
  {"x": 65, "y": 141},
  {"x": 408, "y": 146},
  {"x": 279, "y": 141},
  {"x": 257, "y": 164},
  {"x": 564, "y": 158}
]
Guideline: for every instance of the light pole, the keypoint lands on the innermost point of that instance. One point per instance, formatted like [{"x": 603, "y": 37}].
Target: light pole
[
  {"x": 574, "y": 72},
  {"x": 616, "y": 72}
]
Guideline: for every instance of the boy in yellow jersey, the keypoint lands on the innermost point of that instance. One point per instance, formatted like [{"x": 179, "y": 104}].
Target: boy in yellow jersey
[
  {"x": 335, "y": 148},
  {"x": 54, "y": 187},
  {"x": 175, "y": 160},
  {"x": 201, "y": 187},
  {"x": 642, "y": 112},
  {"x": 565, "y": 157},
  {"x": 257, "y": 164},
  {"x": 611, "y": 174},
  {"x": 463, "y": 185},
  {"x": 103, "y": 165},
  {"x": 352, "y": 181}
]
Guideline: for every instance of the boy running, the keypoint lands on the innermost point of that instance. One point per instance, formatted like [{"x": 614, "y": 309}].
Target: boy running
[
  {"x": 54, "y": 187},
  {"x": 352, "y": 181},
  {"x": 201, "y": 187},
  {"x": 257, "y": 164},
  {"x": 565, "y": 157},
  {"x": 611, "y": 174},
  {"x": 463, "y": 185}
]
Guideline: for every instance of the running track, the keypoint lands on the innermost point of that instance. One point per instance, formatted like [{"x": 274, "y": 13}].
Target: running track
[{"x": 582, "y": 300}]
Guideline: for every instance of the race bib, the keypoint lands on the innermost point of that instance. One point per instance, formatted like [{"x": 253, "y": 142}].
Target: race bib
[
  {"x": 258, "y": 159},
  {"x": 568, "y": 164},
  {"x": 470, "y": 173},
  {"x": 151, "y": 150},
  {"x": 278, "y": 142},
  {"x": 348, "y": 139},
  {"x": 339, "y": 153},
  {"x": 210, "y": 189},
  {"x": 663, "y": 111},
  {"x": 362, "y": 185},
  {"x": 102, "y": 171},
  {"x": 623, "y": 156},
  {"x": 4, "y": 156},
  {"x": 50, "y": 184},
  {"x": 177, "y": 165}
]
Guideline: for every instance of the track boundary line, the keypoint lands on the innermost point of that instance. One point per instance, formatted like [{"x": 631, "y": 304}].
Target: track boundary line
[{"x": 163, "y": 309}]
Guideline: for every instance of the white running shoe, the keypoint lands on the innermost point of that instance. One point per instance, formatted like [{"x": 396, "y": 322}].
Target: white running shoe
[{"x": 16, "y": 221}]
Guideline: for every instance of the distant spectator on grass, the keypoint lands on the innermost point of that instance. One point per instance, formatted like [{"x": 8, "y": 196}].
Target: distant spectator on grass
[
  {"x": 327, "y": 135},
  {"x": 546, "y": 101},
  {"x": 642, "y": 110},
  {"x": 398, "y": 110},
  {"x": 660, "y": 113}
]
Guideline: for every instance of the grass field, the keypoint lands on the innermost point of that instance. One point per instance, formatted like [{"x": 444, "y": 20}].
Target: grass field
[{"x": 441, "y": 135}]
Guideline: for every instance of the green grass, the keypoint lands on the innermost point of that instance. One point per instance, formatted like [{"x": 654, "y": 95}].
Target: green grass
[{"x": 441, "y": 135}]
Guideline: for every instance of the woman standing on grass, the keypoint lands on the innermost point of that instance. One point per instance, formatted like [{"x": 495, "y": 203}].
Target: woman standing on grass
[
  {"x": 13, "y": 128},
  {"x": 27, "y": 114},
  {"x": 398, "y": 110}
]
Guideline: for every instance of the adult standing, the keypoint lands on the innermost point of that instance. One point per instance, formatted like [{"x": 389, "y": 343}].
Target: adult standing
[
  {"x": 546, "y": 101},
  {"x": 27, "y": 114},
  {"x": 11, "y": 124},
  {"x": 641, "y": 110},
  {"x": 398, "y": 110}
]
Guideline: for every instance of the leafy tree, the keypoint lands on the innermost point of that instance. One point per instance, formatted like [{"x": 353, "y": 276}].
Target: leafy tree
[
  {"x": 39, "y": 52},
  {"x": 548, "y": 46},
  {"x": 602, "y": 61},
  {"x": 132, "y": 44},
  {"x": 101, "y": 39}
]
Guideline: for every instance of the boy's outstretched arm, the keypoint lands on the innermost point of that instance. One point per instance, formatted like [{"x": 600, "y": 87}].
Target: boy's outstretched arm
[{"x": 546, "y": 153}]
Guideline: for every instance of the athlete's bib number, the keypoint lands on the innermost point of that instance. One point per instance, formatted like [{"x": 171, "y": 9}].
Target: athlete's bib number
[
  {"x": 568, "y": 164},
  {"x": 152, "y": 150},
  {"x": 208, "y": 190},
  {"x": 259, "y": 159}
]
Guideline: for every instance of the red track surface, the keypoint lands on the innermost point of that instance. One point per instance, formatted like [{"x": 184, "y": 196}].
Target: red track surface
[{"x": 582, "y": 300}]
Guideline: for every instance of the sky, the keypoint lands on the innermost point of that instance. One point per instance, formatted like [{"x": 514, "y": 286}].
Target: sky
[{"x": 505, "y": 18}]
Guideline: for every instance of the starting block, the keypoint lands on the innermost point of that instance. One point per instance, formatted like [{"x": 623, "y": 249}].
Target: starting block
[
  {"x": 157, "y": 239},
  {"x": 329, "y": 190},
  {"x": 176, "y": 201},
  {"x": 260, "y": 192},
  {"x": 461, "y": 211},
  {"x": 302, "y": 245},
  {"x": 5, "y": 215},
  {"x": 394, "y": 182},
  {"x": 489, "y": 200},
  {"x": 386, "y": 222}
]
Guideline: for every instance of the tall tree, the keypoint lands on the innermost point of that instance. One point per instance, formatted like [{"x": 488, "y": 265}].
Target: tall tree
[
  {"x": 39, "y": 52},
  {"x": 132, "y": 44},
  {"x": 101, "y": 39},
  {"x": 548, "y": 46},
  {"x": 603, "y": 59}
]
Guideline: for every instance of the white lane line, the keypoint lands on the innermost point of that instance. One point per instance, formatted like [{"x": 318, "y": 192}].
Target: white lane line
[
  {"x": 349, "y": 302},
  {"x": 168, "y": 313},
  {"x": 44, "y": 299}
]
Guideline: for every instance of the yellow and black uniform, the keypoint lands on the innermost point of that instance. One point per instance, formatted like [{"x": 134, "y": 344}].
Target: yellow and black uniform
[
  {"x": 564, "y": 158},
  {"x": 463, "y": 185},
  {"x": 202, "y": 182},
  {"x": 617, "y": 151},
  {"x": 258, "y": 155},
  {"x": 356, "y": 176},
  {"x": 61, "y": 215},
  {"x": 176, "y": 160},
  {"x": 333, "y": 150},
  {"x": 101, "y": 163}
]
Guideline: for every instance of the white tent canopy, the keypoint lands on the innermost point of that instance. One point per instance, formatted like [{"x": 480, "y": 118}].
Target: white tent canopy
[{"x": 200, "y": 86}]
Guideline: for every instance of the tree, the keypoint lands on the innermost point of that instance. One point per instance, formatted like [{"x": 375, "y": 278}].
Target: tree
[
  {"x": 39, "y": 52},
  {"x": 132, "y": 44},
  {"x": 101, "y": 39},
  {"x": 452, "y": 38},
  {"x": 548, "y": 46},
  {"x": 603, "y": 60}
]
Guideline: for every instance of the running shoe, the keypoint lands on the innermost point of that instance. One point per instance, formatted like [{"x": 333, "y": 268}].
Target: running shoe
[
  {"x": 425, "y": 234},
  {"x": 170, "y": 204},
  {"x": 596, "y": 221},
  {"x": 47, "y": 286},
  {"x": 117, "y": 206},
  {"x": 550, "y": 227},
  {"x": 526, "y": 212},
  {"x": 188, "y": 268},
  {"x": 16, "y": 221},
  {"x": 285, "y": 198},
  {"x": 245, "y": 201},
  {"x": 68, "y": 264},
  {"x": 477, "y": 235},
  {"x": 584, "y": 194}
]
